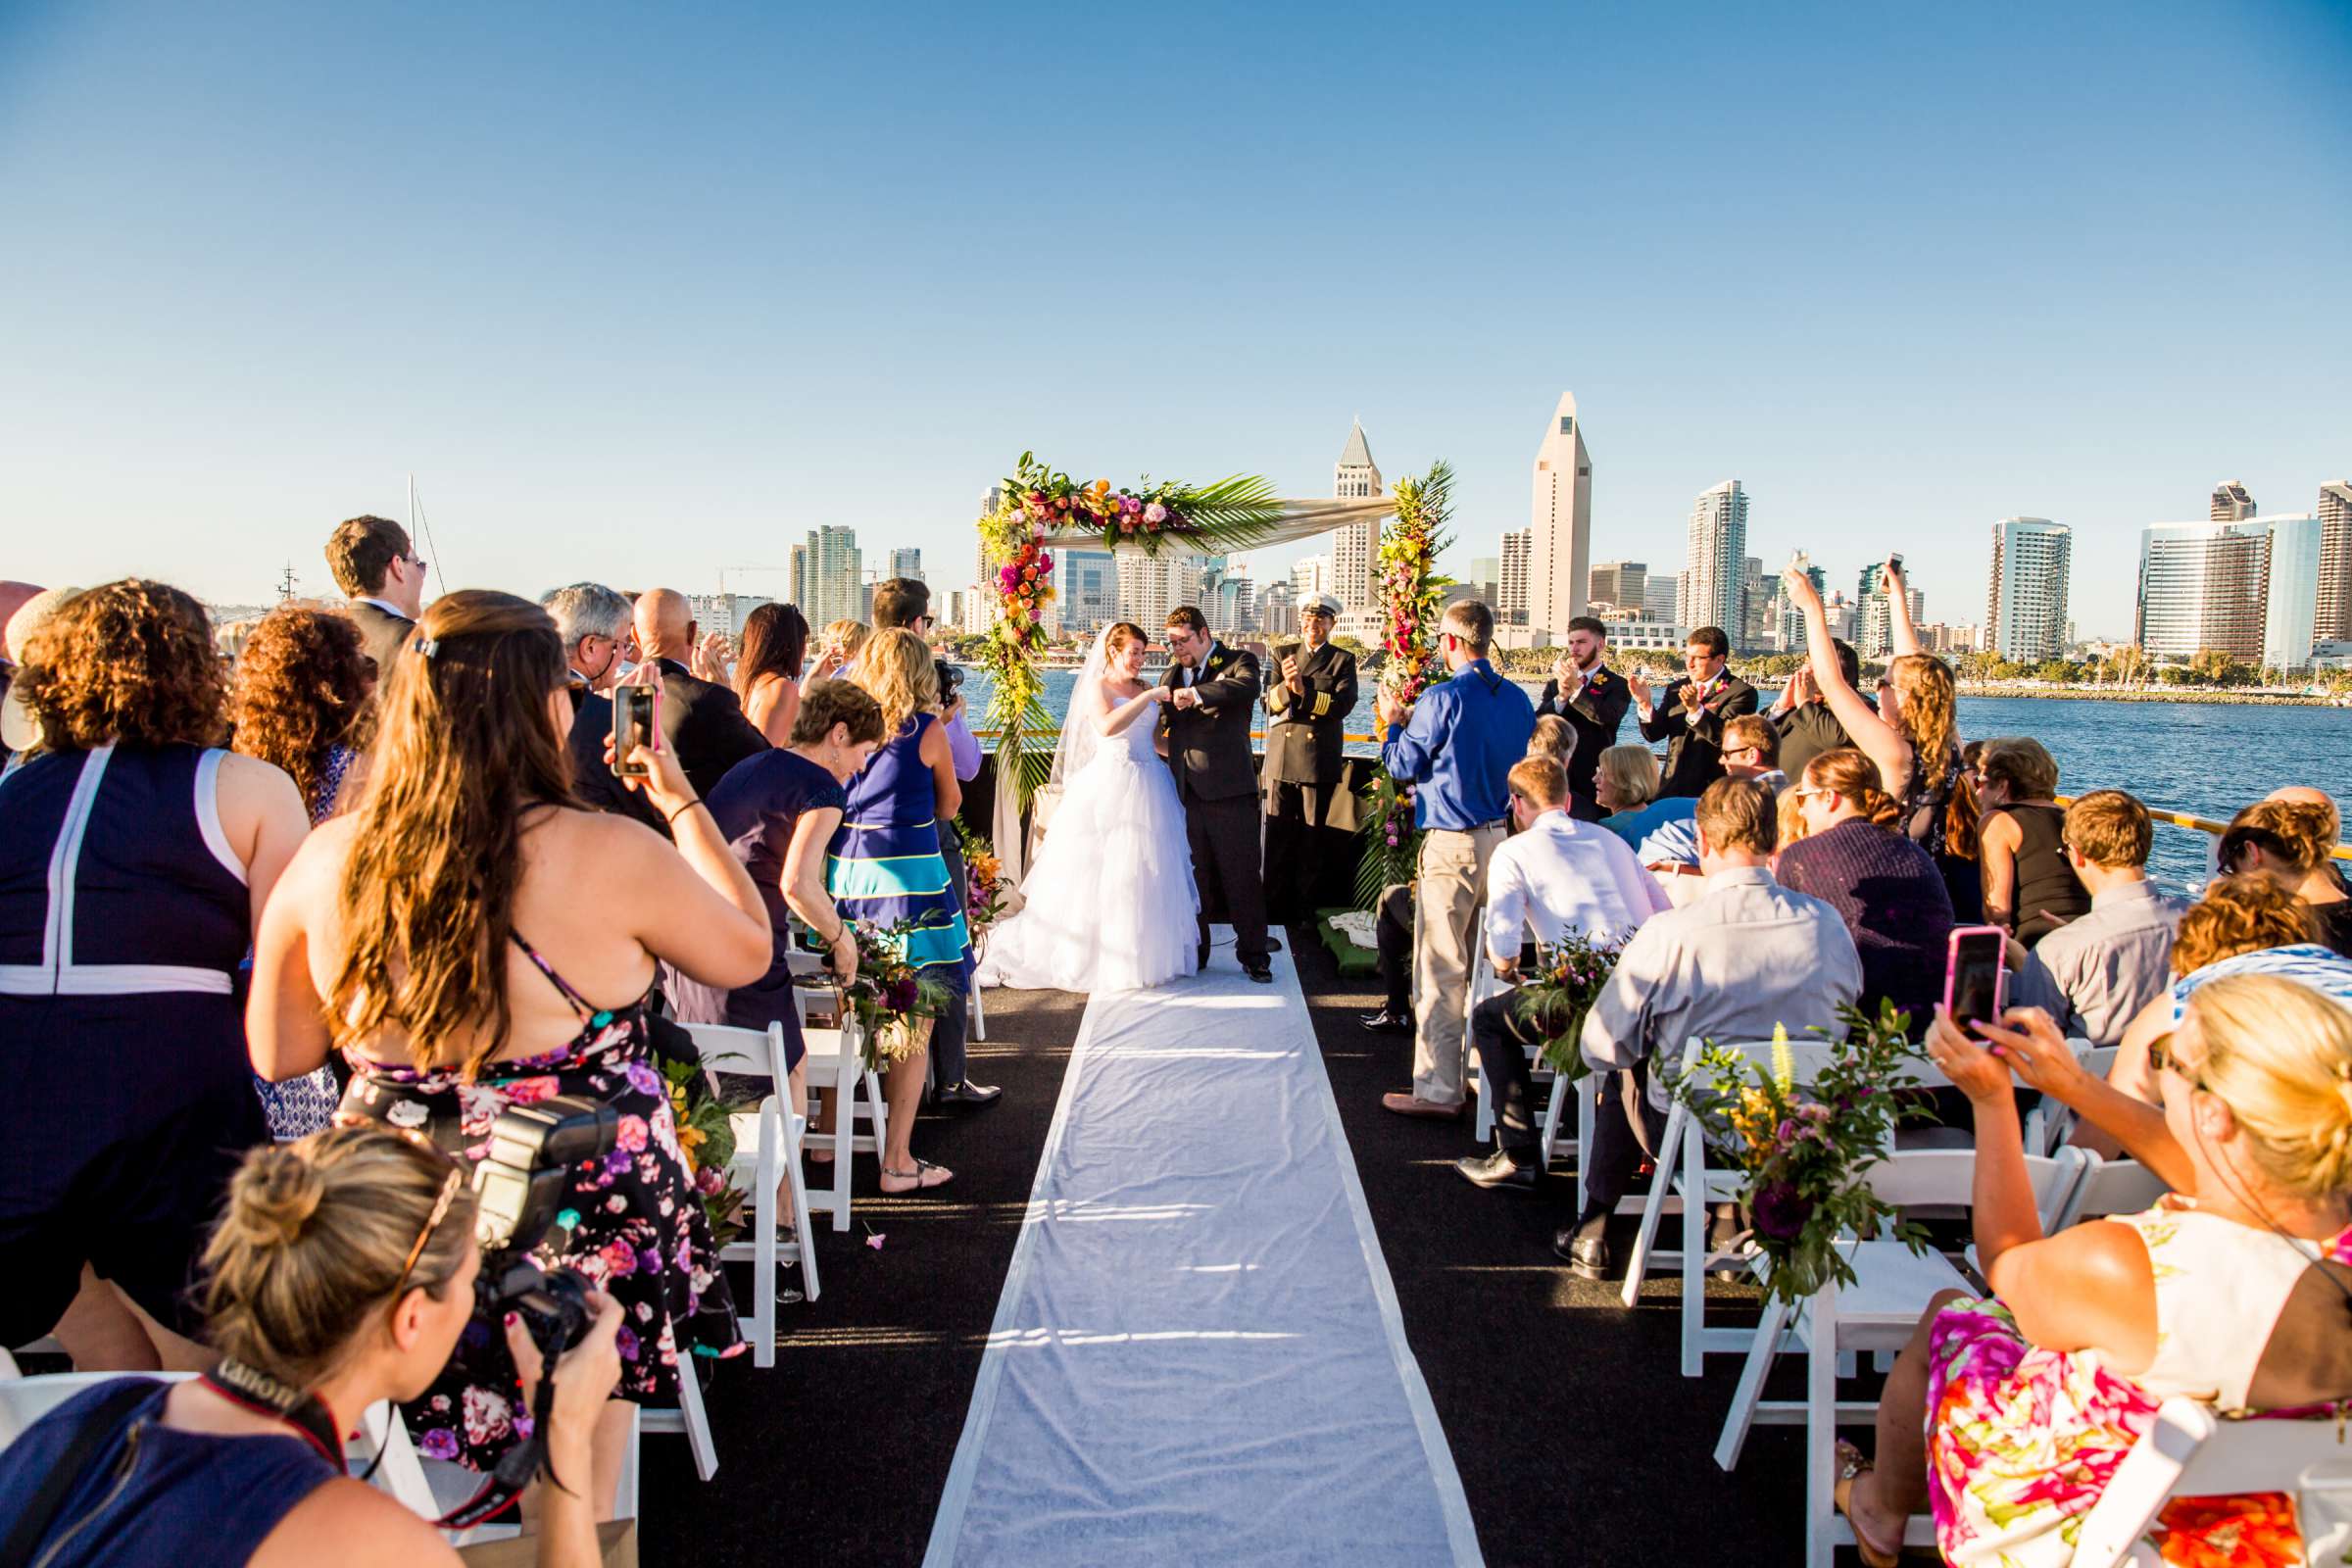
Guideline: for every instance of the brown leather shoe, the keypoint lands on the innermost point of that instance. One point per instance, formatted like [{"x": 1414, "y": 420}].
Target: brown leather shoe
[{"x": 1405, "y": 1103}]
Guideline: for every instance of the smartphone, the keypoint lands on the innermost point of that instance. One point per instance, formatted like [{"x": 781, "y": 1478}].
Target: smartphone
[
  {"x": 1976, "y": 976},
  {"x": 636, "y": 722}
]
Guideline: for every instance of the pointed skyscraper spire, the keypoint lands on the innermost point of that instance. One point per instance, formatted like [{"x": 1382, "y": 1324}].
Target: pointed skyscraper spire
[{"x": 1358, "y": 453}]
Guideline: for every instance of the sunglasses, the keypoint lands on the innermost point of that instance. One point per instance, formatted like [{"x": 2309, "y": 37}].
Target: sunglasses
[{"x": 2163, "y": 1058}]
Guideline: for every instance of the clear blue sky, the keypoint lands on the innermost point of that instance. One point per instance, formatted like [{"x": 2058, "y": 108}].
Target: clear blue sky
[{"x": 641, "y": 292}]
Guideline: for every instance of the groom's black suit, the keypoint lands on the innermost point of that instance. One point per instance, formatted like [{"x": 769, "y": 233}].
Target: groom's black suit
[{"x": 1209, "y": 752}]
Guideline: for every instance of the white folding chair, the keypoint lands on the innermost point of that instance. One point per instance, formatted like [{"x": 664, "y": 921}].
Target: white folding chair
[
  {"x": 2190, "y": 1452},
  {"x": 1879, "y": 1313},
  {"x": 836, "y": 1060},
  {"x": 2110, "y": 1187},
  {"x": 977, "y": 1028},
  {"x": 2057, "y": 1122},
  {"x": 689, "y": 1418},
  {"x": 1484, "y": 983},
  {"x": 767, "y": 1156}
]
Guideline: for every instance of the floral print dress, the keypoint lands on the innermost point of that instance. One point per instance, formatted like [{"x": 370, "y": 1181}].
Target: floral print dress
[
  {"x": 2022, "y": 1441},
  {"x": 632, "y": 1222}
]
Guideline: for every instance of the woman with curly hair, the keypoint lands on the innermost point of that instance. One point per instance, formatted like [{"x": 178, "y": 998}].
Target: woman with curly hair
[
  {"x": 473, "y": 939},
  {"x": 300, "y": 701},
  {"x": 136, "y": 857}
]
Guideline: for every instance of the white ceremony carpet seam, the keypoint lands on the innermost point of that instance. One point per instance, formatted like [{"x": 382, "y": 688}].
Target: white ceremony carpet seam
[{"x": 1196, "y": 1355}]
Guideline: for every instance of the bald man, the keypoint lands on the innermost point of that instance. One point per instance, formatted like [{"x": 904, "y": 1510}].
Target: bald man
[{"x": 702, "y": 719}]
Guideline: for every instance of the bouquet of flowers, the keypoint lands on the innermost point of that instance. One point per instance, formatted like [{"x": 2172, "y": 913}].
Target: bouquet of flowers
[
  {"x": 1802, "y": 1152},
  {"x": 1232, "y": 514},
  {"x": 890, "y": 995},
  {"x": 1567, "y": 981},
  {"x": 706, "y": 1138},
  {"x": 984, "y": 882},
  {"x": 1392, "y": 843},
  {"x": 1411, "y": 588}
]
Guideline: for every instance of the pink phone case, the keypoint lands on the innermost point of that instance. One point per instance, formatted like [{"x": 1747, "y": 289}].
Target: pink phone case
[{"x": 1951, "y": 970}]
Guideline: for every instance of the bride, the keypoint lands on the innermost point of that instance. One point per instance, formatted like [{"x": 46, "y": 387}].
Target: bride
[{"x": 1110, "y": 903}]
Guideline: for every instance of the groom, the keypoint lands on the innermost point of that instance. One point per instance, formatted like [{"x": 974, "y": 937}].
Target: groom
[{"x": 1212, "y": 699}]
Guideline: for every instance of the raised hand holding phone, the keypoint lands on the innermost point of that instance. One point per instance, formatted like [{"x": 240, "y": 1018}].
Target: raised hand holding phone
[{"x": 1975, "y": 975}]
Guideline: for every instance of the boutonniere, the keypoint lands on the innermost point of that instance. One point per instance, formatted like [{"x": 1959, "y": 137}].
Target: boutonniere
[{"x": 1600, "y": 679}]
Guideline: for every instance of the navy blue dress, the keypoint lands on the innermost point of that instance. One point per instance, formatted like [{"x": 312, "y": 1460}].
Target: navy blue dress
[
  {"x": 192, "y": 1500},
  {"x": 757, "y": 807},
  {"x": 123, "y": 917}
]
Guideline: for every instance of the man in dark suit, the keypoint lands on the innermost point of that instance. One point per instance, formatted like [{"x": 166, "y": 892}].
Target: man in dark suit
[
  {"x": 701, "y": 719},
  {"x": 1592, "y": 698},
  {"x": 594, "y": 622},
  {"x": 1212, "y": 699},
  {"x": 380, "y": 570},
  {"x": 1694, "y": 711},
  {"x": 1306, "y": 733}
]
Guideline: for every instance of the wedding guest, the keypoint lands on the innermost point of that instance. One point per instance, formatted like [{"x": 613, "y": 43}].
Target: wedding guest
[
  {"x": 1691, "y": 715},
  {"x": 1658, "y": 831},
  {"x": 1393, "y": 946},
  {"x": 779, "y": 812},
  {"x": 1455, "y": 745},
  {"x": 1752, "y": 749},
  {"x": 1307, "y": 706},
  {"x": 599, "y": 642},
  {"x": 380, "y": 570},
  {"x": 1914, "y": 742},
  {"x": 470, "y": 940},
  {"x": 14, "y": 597},
  {"x": 135, "y": 858},
  {"x": 20, "y": 732},
  {"x": 906, "y": 602},
  {"x": 1590, "y": 699},
  {"x": 303, "y": 701},
  {"x": 767, "y": 678},
  {"x": 702, "y": 721},
  {"x": 2028, "y": 885},
  {"x": 1552, "y": 878},
  {"x": 344, "y": 1267},
  {"x": 1882, "y": 886},
  {"x": 2293, "y": 843},
  {"x": 1552, "y": 738},
  {"x": 2095, "y": 972},
  {"x": 2012, "y": 1414},
  {"x": 885, "y": 866},
  {"x": 1748, "y": 954},
  {"x": 1800, "y": 715},
  {"x": 836, "y": 647},
  {"x": 2305, "y": 795}
]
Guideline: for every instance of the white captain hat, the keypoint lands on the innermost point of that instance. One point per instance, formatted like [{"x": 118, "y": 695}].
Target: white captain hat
[{"x": 1319, "y": 604}]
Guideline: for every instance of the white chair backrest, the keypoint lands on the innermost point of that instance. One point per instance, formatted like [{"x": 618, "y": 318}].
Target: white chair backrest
[
  {"x": 1912, "y": 1178},
  {"x": 803, "y": 963},
  {"x": 25, "y": 1401},
  {"x": 2190, "y": 1451},
  {"x": 2096, "y": 1060},
  {"x": 747, "y": 1052},
  {"x": 2112, "y": 1186}
]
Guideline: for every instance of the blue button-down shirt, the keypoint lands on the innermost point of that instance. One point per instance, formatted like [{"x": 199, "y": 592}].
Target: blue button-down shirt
[{"x": 1465, "y": 738}]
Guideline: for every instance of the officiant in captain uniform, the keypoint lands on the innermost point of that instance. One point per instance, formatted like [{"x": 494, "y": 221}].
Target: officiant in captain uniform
[{"x": 1310, "y": 816}]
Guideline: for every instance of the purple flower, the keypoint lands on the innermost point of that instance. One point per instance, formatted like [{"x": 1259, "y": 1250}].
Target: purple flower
[
  {"x": 644, "y": 1079},
  {"x": 901, "y": 996},
  {"x": 439, "y": 1442},
  {"x": 1008, "y": 578},
  {"x": 709, "y": 1182},
  {"x": 625, "y": 1341},
  {"x": 1780, "y": 1211}
]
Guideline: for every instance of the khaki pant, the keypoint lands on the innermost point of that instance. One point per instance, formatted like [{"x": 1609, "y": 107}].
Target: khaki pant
[{"x": 1452, "y": 887}]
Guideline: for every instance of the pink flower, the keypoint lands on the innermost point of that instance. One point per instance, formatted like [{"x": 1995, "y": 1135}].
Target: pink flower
[
  {"x": 631, "y": 1134},
  {"x": 530, "y": 1090},
  {"x": 620, "y": 1259},
  {"x": 1156, "y": 515},
  {"x": 873, "y": 1239}
]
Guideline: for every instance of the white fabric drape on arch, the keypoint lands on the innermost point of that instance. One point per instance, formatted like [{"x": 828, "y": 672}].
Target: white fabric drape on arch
[{"x": 1295, "y": 520}]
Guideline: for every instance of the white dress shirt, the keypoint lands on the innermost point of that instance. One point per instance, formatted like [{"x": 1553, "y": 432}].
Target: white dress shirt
[
  {"x": 1747, "y": 954},
  {"x": 1562, "y": 873}
]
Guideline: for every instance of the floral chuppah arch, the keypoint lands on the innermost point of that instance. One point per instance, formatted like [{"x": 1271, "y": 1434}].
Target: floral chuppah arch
[{"x": 1039, "y": 508}]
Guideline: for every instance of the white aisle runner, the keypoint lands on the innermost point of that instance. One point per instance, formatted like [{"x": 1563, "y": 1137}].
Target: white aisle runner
[{"x": 1198, "y": 1357}]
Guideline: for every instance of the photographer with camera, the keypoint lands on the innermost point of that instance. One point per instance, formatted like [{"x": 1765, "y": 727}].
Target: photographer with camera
[
  {"x": 342, "y": 1272},
  {"x": 474, "y": 944}
]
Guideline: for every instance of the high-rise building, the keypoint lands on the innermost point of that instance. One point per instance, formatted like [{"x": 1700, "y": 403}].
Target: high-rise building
[
  {"x": 1714, "y": 560},
  {"x": 723, "y": 614},
  {"x": 2205, "y": 585},
  {"x": 1662, "y": 596},
  {"x": 1228, "y": 598},
  {"x": 2332, "y": 620},
  {"x": 834, "y": 577},
  {"x": 1486, "y": 575},
  {"x": 1086, "y": 589},
  {"x": 907, "y": 562},
  {"x": 1310, "y": 575},
  {"x": 1355, "y": 547},
  {"x": 1277, "y": 611},
  {"x": 2292, "y": 593},
  {"x": 2232, "y": 501},
  {"x": 799, "y": 577},
  {"x": 1560, "y": 522},
  {"x": 2024, "y": 607},
  {"x": 1874, "y": 614},
  {"x": 1623, "y": 585},
  {"x": 1511, "y": 597},
  {"x": 1149, "y": 586},
  {"x": 1755, "y": 597}
]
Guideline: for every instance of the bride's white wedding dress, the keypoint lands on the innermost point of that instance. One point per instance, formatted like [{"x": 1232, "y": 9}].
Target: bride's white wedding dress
[{"x": 1110, "y": 903}]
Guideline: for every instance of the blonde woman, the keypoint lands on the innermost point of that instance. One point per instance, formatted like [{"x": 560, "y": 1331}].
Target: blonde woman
[
  {"x": 885, "y": 867},
  {"x": 837, "y": 647},
  {"x": 2011, "y": 1414}
]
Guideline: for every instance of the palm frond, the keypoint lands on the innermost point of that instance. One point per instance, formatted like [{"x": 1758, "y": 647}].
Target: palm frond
[{"x": 1236, "y": 511}]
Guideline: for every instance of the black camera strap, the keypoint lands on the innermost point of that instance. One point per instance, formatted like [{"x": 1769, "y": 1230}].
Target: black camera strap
[
  {"x": 257, "y": 1391},
  {"x": 520, "y": 1465}
]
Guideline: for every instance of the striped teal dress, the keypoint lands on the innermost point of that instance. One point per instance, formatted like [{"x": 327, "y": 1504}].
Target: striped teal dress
[{"x": 885, "y": 867}]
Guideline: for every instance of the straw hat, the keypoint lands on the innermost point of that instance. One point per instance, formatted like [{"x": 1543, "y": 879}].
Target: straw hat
[{"x": 20, "y": 732}]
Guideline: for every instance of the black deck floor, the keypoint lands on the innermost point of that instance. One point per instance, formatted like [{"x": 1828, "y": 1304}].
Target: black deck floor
[{"x": 1577, "y": 1441}]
